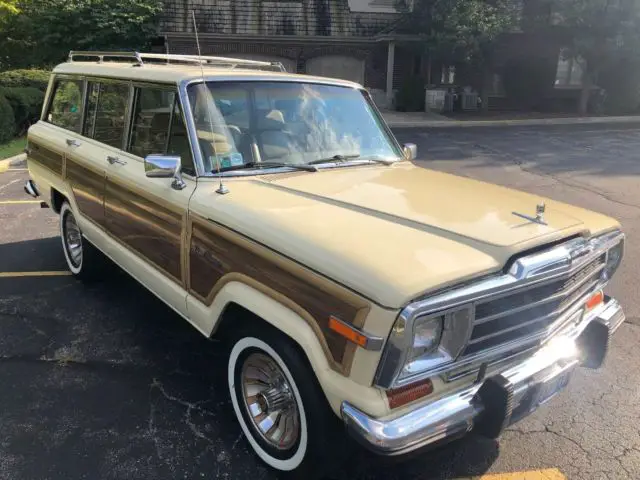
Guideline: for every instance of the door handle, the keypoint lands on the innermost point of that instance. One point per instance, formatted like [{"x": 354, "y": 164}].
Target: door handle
[
  {"x": 72, "y": 142},
  {"x": 113, "y": 160}
]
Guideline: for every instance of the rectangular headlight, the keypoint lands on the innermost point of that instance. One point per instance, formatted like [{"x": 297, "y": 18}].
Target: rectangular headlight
[
  {"x": 428, "y": 341},
  {"x": 614, "y": 258}
]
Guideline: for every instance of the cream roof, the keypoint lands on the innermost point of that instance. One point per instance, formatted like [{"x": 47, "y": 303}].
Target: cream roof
[{"x": 178, "y": 72}]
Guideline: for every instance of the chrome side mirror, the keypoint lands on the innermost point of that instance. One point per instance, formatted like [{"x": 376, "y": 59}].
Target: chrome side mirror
[
  {"x": 165, "y": 166},
  {"x": 410, "y": 151}
]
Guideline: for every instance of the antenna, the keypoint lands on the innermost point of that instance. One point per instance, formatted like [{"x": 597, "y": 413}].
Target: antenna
[{"x": 222, "y": 189}]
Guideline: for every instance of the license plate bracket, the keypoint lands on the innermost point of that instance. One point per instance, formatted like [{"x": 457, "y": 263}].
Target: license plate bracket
[{"x": 549, "y": 388}]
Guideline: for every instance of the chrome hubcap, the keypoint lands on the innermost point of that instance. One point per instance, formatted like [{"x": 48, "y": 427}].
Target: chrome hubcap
[
  {"x": 269, "y": 401},
  {"x": 73, "y": 239}
]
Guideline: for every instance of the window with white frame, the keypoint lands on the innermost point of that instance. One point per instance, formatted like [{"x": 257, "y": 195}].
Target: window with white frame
[{"x": 569, "y": 72}]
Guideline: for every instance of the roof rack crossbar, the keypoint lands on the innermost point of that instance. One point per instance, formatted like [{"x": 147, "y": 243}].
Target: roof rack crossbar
[
  {"x": 73, "y": 54},
  {"x": 139, "y": 58}
]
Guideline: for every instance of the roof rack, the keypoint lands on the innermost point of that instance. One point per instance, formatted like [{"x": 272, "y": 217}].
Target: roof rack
[{"x": 154, "y": 58}]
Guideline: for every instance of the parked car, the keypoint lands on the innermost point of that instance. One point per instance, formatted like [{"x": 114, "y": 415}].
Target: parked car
[{"x": 354, "y": 287}]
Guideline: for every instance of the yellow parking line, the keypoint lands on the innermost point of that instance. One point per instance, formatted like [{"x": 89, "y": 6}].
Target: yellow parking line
[
  {"x": 547, "y": 474},
  {"x": 34, "y": 274},
  {"x": 18, "y": 202}
]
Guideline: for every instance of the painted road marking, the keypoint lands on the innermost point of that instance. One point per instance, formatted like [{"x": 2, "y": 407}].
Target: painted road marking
[
  {"x": 547, "y": 474},
  {"x": 17, "y": 170},
  {"x": 18, "y": 202},
  {"x": 35, "y": 274}
]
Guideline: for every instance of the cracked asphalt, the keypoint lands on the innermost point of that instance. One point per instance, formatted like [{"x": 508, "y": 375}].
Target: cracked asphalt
[{"x": 103, "y": 381}]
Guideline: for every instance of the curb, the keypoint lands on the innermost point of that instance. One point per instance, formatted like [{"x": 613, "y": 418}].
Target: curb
[
  {"x": 514, "y": 123},
  {"x": 12, "y": 162}
]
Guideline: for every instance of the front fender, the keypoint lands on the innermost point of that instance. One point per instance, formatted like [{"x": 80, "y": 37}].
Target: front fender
[{"x": 292, "y": 323}]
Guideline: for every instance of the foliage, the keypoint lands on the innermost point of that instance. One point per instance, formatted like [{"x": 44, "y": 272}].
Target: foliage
[
  {"x": 44, "y": 31},
  {"x": 600, "y": 33},
  {"x": 7, "y": 125},
  {"x": 461, "y": 30},
  {"x": 410, "y": 96},
  {"x": 13, "y": 147},
  {"x": 26, "y": 103},
  {"x": 25, "y": 78}
]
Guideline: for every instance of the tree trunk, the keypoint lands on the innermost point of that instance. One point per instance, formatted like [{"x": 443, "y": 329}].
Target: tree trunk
[
  {"x": 585, "y": 92},
  {"x": 486, "y": 88}
]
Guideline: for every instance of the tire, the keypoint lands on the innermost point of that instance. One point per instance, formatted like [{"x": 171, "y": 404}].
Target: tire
[
  {"x": 316, "y": 446},
  {"x": 84, "y": 260}
]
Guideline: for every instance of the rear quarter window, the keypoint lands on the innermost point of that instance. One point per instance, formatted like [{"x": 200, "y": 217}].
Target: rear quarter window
[{"x": 65, "y": 109}]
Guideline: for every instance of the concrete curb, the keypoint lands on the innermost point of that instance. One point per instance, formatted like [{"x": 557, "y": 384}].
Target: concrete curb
[
  {"x": 512, "y": 123},
  {"x": 18, "y": 160}
]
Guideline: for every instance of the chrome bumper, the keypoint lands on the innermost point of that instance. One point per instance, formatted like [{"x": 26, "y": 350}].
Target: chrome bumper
[{"x": 499, "y": 400}]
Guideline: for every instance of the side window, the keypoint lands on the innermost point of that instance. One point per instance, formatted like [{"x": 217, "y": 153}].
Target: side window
[
  {"x": 66, "y": 105},
  {"x": 158, "y": 126},
  {"x": 106, "y": 112}
]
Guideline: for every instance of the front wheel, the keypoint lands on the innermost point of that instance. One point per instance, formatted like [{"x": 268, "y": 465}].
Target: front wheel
[{"x": 281, "y": 409}]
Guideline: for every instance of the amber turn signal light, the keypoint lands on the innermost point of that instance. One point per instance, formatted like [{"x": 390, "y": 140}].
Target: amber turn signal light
[
  {"x": 594, "y": 300},
  {"x": 403, "y": 395},
  {"x": 347, "y": 332}
]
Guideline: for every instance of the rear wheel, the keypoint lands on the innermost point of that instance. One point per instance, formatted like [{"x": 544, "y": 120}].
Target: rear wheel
[
  {"x": 282, "y": 410},
  {"x": 84, "y": 260}
]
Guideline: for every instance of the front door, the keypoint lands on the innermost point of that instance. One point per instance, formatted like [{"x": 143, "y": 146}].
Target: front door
[{"x": 147, "y": 216}]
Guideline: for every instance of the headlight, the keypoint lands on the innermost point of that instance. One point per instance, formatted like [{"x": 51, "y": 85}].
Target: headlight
[
  {"x": 614, "y": 257},
  {"x": 429, "y": 341},
  {"x": 426, "y": 336}
]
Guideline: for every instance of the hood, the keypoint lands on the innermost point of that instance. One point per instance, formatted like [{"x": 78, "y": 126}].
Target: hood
[
  {"x": 392, "y": 233},
  {"x": 454, "y": 207}
]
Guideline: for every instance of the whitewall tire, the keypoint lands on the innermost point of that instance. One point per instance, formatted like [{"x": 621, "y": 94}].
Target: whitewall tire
[{"x": 84, "y": 260}]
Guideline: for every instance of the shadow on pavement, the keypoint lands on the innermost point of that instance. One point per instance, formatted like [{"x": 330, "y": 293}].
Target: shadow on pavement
[
  {"x": 105, "y": 381},
  {"x": 42, "y": 254}
]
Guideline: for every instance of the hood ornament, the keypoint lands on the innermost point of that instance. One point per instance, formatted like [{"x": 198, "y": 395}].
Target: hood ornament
[{"x": 539, "y": 218}]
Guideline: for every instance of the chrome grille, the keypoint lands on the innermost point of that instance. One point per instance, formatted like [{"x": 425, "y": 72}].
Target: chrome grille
[{"x": 530, "y": 310}]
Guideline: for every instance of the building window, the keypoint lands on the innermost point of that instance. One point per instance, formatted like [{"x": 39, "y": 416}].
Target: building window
[
  {"x": 448, "y": 76},
  {"x": 569, "y": 72}
]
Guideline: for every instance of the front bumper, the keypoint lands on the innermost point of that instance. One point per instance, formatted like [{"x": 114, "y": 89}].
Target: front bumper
[{"x": 498, "y": 401}]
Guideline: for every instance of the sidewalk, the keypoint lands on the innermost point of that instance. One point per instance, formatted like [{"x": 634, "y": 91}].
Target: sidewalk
[{"x": 434, "y": 120}]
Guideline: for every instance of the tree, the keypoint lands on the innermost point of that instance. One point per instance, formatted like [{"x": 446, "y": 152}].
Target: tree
[
  {"x": 41, "y": 32},
  {"x": 463, "y": 31},
  {"x": 600, "y": 33}
]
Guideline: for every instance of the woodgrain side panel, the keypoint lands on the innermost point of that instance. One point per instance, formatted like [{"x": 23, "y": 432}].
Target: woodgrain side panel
[
  {"x": 46, "y": 157},
  {"x": 88, "y": 190},
  {"x": 219, "y": 255},
  {"x": 149, "y": 226}
]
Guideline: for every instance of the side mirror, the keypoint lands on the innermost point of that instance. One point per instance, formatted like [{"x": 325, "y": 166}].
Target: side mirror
[
  {"x": 410, "y": 151},
  {"x": 164, "y": 166}
]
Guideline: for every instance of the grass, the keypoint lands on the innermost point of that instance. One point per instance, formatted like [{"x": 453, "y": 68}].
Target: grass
[{"x": 12, "y": 148}]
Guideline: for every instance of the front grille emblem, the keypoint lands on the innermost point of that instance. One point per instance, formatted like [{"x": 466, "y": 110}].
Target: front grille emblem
[{"x": 539, "y": 218}]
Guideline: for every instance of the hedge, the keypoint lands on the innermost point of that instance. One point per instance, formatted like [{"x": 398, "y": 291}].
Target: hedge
[
  {"x": 7, "y": 122},
  {"x": 25, "y": 78},
  {"x": 26, "y": 103}
]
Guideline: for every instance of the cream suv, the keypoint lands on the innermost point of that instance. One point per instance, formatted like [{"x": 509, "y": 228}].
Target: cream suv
[{"x": 353, "y": 287}]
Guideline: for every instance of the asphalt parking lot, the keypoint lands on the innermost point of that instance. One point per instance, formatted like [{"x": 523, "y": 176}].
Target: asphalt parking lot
[{"x": 103, "y": 381}]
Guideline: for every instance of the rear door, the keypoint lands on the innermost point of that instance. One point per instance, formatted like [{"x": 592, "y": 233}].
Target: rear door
[{"x": 146, "y": 215}]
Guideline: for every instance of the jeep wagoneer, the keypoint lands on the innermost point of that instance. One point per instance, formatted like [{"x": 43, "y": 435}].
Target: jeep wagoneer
[{"x": 353, "y": 287}]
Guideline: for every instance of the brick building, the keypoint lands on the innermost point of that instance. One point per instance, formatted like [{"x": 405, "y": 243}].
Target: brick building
[{"x": 359, "y": 40}]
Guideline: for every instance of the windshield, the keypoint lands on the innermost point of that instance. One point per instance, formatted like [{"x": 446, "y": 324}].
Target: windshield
[{"x": 245, "y": 123}]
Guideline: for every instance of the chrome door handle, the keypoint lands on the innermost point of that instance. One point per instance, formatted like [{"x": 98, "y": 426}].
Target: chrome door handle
[
  {"x": 113, "y": 160},
  {"x": 72, "y": 142}
]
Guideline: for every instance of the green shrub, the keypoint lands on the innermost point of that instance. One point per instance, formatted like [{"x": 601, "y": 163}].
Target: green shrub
[
  {"x": 410, "y": 96},
  {"x": 25, "y": 78},
  {"x": 7, "y": 124},
  {"x": 26, "y": 103}
]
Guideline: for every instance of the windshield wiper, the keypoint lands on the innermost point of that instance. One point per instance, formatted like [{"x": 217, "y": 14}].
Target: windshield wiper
[
  {"x": 306, "y": 168},
  {"x": 335, "y": 158},
  {"x": 344, "y": 158}
]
